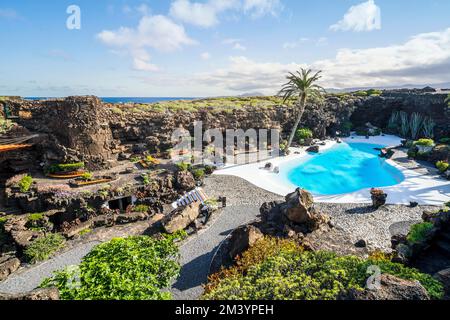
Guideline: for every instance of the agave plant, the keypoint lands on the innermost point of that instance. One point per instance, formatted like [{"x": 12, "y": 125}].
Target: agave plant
[
  {"x": 394, "y": 120},
  {"x": 404, "y": 125},
  {"x": 416, "y": 124},
  {"x": 301, "y": 85},
  {"x": 428, "y": 128}
]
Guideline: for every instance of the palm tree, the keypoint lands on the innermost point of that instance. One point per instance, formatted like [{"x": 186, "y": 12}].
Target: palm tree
[{"x": 301, "y": 84}]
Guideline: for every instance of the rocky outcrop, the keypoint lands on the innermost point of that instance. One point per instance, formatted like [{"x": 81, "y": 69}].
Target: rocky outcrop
[
  {"x": 185, "y": 180},
  {"x": 8, "y": 266},
  {"x": 379, "y": 198},
  {"x": 431, "y": 252},
  {"x": 76, "y": 129},
  {"x": 242, "y": 239},
  {"x": 35, "y": 295},
  {"x": 181, "y": 218},
  {"x": 378, "y": 109},
  {"x": 391, "y": 288}
]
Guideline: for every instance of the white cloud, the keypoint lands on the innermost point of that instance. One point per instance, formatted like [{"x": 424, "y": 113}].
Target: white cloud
[
  {"x": 422, "y": 59},
  {"x": 206, "y": 14},
  {"x": 363, "y": 17},
  {"x": 236, "y": 44},
  {"x": 260, "y": 8},
  {"x": 205, "y": 56},
  {"x": 296, "y": 44},
  {"x": 200, "y": 14},
  {"x": 153, "y": 32},
  {"x": 244, "y": 74}
]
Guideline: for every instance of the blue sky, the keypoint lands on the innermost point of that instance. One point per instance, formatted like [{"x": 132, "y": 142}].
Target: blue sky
[{"x": 218, "y": 47}]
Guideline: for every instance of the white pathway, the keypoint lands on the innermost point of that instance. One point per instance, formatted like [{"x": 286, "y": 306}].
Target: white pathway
[{"x": 422, "y": 188}]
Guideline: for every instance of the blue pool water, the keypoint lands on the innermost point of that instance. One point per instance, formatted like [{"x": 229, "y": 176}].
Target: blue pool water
[{"x": 343, "y": 169}]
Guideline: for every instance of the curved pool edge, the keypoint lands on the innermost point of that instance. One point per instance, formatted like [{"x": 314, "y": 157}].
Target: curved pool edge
[{"x": 421, "y": 188}]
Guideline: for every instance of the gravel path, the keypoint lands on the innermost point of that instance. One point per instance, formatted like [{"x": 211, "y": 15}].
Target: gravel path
[{"x": 30, "y": 278}]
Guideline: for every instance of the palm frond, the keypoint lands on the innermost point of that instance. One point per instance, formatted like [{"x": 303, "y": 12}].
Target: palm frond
[{"x": 303, "y": 82}]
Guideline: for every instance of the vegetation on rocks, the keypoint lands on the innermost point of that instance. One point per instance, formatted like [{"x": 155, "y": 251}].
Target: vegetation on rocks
[
  {"x": 419, "y": 232},
  {"x": 425, "y": 142},
  {"x": 25, "y": 183},
  {"x": 303, "y": 133},
  {"x": 442, "y": 166},
  {"x": 134, "y": 268},
  {"x": 69, "y": 167},
  {"x": 42, "y": 248},
  {"x": 282, "y": 270}
]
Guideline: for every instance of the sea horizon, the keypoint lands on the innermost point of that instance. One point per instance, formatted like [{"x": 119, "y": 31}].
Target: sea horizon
[{"x": 126, "y": 99}]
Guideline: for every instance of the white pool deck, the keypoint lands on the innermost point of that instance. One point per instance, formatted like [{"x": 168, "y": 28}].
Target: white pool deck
[{"x": 424, "y": 189}]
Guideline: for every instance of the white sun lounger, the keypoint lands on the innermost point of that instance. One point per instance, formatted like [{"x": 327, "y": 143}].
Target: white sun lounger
[{"x": 196, "y": 195}]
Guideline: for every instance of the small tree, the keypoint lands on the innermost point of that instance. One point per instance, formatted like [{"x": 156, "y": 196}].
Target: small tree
[{"x": 301, "y": 85}]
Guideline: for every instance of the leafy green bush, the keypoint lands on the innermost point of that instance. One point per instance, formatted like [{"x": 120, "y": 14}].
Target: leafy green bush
[
  {"x": 303, "y": 133},
  {"x": 69, "y": 167},
  {"x": 425, "y": 142},
  {"x": 42, "y": 248},
  {"x": 134, "y": 268},
  {"x": 87, "y": 176},
  {"x": 444, "y": 141},
  {"x": 419, "y": 232},
  {"x": 25, "y": 183},
  {"x": 198, "y": 174},
  {"x": 287, "y": 272},
  {"x": 35, "y": 217},
  {"x": 347, "y": 126},
  {"x": 362, "y": 132},
  {"x": 145, "y": 179},
  {"x": 442, "y": 166},
  {"x": 183, "y": 166},
  {"x": 141, "y": 208}
]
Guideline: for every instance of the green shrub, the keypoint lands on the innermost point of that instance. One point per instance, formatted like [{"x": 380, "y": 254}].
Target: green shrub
[
  {"x": 69, "y": 167},
  {"x": 444, "y": 141},
  {"x": 42, "y": 248},
  {"x": 183, "y": 166},
  {"x": 85, "y": 231},
  {"x": 145, "y": 179},
  {"x": 419, "y": 232},
  {"x": 303, "y": 133},
  {"x": 286, "y": 272},
  {"x": 361, "y": 94},
  {"x": 362, "y": 132},
  {"x": 134, "y": 268},
  {"x": 442, "y": 166},
  {"x": 425, "y": 142},
  {"x": 347, "y": 126},
  {"x": 25, "y": 183},
  {"x": 198, "y": 174},
  {"x": 141, "y": 208},
  {"x": 87, "y": 176},
  {"x": 35, "y": 217},
  {"x": 412, "y": 153}
]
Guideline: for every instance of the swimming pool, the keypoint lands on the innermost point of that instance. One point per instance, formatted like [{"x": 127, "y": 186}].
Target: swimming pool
[{"x": 344, "y": 168}]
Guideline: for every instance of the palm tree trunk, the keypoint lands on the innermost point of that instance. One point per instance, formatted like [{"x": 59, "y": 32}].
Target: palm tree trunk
[{"x": 299, "y": 118}]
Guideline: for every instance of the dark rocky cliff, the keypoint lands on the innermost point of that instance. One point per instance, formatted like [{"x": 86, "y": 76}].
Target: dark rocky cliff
[{"x": 85, "y": 129}]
